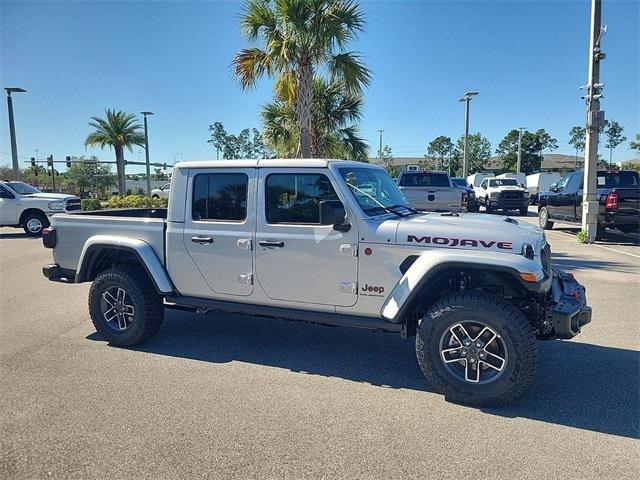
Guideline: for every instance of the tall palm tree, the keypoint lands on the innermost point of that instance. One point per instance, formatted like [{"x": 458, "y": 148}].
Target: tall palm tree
[
  {"x": 331, "y": 134},
  {"x": 119, "y": 130},
  {"x": 300, "y": 38}
]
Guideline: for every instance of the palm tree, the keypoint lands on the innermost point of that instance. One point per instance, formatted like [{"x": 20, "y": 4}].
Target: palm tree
[
  {"x": 301, "y": 37},
  {"x": 331, "y": 134},
  {"x": 120, "y": 130}
]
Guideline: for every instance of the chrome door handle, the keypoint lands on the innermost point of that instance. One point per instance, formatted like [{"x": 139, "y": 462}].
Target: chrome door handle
[
  {"x": 271, "y": 244},
  {"x": 202, "y": 240}
]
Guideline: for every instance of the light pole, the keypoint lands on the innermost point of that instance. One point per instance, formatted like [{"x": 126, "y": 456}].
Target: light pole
[
  {"x": 12, "y": 131},
  {"x": 380, "y": 151},
  {"x": 595, "y": 122},
  {"x": 146, "y": 151},
  {"x": 466, "y": 98},
  {"x": 520, "y": 133}
]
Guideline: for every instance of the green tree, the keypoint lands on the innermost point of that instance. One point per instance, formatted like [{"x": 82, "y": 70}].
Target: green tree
[
  {"x": 635, "y": 144},
  {"x": 478, "y": 155},
  {"x": 613, "y": 132},
  {"x": 301, "y": 38},
  {"x": 159, "y": 175},
  {"x": 441, "y": 148},
  {"x": 577, "y": 136},
  {"x": 86, "y": 174},
  {"x": 119, "y": 130},
  {"x": 218, "y": 137},
  {"x": 333, "y": 133},
  {"x": 533, "y": 144}
]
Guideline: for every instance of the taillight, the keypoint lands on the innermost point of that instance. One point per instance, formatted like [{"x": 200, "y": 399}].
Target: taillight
[{"x": 611, "y": 202}]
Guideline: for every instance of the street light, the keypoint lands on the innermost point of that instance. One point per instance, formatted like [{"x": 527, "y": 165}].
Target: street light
[
  {"x": 146, "y": 151},
  {"x": 520, "y": 132},
  {"x": 12, "y": 130},
  {"x": 466, "y": 98},
  {"x": 381, "y": 131}
]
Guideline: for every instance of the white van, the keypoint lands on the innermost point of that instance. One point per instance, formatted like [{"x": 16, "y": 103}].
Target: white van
[
  {"x": 476, "y": 179},
  {"x": 541, "y": 182}
]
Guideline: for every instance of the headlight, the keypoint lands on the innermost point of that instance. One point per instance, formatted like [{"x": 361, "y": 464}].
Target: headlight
[
  {"x": 526, "y": 193},
  {"x": 56, "y": 206},
  {"x": 494, "y": 194}
]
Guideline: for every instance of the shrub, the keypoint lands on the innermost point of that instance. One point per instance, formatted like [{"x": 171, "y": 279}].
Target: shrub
[
  {"x": 583, "y": 237},
  {"x": 91, "y": 204},
  {"x": 136, "y": 201}
]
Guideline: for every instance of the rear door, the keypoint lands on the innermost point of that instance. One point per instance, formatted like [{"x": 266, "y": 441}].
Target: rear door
[
  {"x": 297, "y": 259},
  {"x": 218, "y": 230}
]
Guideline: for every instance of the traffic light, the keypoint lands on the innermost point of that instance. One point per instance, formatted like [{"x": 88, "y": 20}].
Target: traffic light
[
  {"x": 68, "y": 161},
  {"x": 33, "y": 162},
  {"x": 50, "y": 164}
]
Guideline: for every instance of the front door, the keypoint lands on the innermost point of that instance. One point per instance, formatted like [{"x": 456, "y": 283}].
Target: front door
[
  {"x": 8, "y": 207},
  {"x": 218, "y": 228},
  {"x": 297, "y": 259}
]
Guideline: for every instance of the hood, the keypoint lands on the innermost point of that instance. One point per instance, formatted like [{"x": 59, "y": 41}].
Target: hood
[
  {"x": 51, "y": 196},
  {"x": 468, "y": 231}
]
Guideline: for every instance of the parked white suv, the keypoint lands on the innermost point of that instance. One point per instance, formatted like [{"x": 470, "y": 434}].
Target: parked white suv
[
  {"x": 162, "y": 192},
  {"x": 22, "y": 205}
]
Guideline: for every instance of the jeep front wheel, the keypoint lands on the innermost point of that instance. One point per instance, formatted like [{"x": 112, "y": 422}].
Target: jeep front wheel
[
  {"x": 543, "y": 219},
  {"x": 477, "y": 349}
]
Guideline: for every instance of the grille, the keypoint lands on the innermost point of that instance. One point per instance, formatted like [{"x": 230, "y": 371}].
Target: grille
[
  {"x": 512, "y": 195},
  {"x": 72, "y": 205},
  {"x": 545, "y": 257}
]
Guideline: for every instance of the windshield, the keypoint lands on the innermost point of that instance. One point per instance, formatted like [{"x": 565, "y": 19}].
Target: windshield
[
  {"x": 373, "y": 189},
  {"x": 22, "y": 188},
  {"x": 503, "y": 182},
  {"x": 460, "y": 182}
]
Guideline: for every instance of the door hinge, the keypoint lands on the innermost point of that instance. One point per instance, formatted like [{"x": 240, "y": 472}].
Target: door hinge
[
  {"x": 348, "y": 287},
  {"x": 349, "y": 248},
  {"x": 246, "y": 278},
  {"x": 244, "y": 243}
]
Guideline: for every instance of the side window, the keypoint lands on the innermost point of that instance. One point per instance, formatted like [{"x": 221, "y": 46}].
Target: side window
[
  {"x": 4, "y": 193},
  {"x": 220, "y": 196},
  {"x": 296, "y": 197}
]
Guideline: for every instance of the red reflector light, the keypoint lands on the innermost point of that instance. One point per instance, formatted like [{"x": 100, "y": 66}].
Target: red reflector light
[
  {"x": 612, "y": 201},
  {"x": 46, "y": 230}
]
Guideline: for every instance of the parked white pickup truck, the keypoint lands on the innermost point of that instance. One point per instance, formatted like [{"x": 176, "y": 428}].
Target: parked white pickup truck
[
  {"x": 330, "y": 242},
  {"x": 432, "y": 191},
  {"x": 502, "y": 194},
  {"x": 22, "y": 205}
]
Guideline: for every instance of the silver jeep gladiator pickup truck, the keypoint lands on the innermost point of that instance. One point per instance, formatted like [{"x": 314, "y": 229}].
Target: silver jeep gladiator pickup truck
[{"x": 329, "y": 242}]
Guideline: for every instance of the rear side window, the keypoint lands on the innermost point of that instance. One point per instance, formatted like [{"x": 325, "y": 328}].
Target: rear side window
[
  {"x": 220, "y": 196},
  {"x": 424, "y": 179},
  {"x": 296, "y": 197}
]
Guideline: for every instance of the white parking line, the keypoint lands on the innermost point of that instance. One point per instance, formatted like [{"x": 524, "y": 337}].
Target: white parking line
[{"x": 557, "y": 234}]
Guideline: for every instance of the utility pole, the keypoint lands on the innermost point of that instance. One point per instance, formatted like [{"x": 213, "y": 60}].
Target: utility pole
[
  {"x": 146, "y": 151},
  {"x": 466, "y": 98},
  {"x": 380, "y": 151},
  {"x": 12, "y": 131},
  {"x": 520, "y": 132},
  {"x": 595, "y": 122}
]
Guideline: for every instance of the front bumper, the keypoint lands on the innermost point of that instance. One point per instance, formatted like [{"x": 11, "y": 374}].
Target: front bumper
[
  {"x": 570, "y": 311},
  {"x": 509, "y": 204}
]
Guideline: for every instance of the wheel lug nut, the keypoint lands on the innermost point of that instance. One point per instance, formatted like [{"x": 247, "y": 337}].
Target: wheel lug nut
[
  {"x": 479, "y": 344},
  {"x": 463, "y": 353},
  {"x": 472, "y": 360},
  {"x": 467, "y": 343}
]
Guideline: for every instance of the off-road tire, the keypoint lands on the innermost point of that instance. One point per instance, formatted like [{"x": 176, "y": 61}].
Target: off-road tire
[
  {"x": 488, "y": 207},
  {"x": 601, "y": 232},
  {"x": 41, "y": 217},
  {"x": 524, "y": 211},
  {"x": 514, "y": 329},
  {"x": 543, "y": 219},
  {"x": 149, "y": 308}
]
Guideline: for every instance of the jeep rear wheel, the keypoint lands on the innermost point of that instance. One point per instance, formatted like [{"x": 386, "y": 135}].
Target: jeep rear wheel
[
  {"x": 124, "y": 306},
  {"x": 477, "y": 349}
]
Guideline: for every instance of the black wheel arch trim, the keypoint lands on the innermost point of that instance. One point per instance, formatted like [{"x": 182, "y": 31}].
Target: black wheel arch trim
[{"x": 534, "y": 288}]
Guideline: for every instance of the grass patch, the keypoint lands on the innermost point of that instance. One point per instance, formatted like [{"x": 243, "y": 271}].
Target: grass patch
[{"x": 583, "y": 237}]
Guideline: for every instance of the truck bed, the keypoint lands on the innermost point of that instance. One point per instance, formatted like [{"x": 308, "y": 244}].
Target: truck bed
[{"x": 73, "y": 230}]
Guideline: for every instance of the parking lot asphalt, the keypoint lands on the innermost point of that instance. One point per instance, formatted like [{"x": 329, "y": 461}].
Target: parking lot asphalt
[{"x": 229, "y": 396}]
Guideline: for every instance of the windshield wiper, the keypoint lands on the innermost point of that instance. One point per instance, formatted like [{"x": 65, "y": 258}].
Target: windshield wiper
[{"x": 412, "y": 210}]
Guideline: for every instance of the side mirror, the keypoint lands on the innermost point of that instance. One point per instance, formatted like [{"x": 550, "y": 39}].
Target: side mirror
[
  {"x": 553, "y": 187},
  {"x": 332, "y": 212}
]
